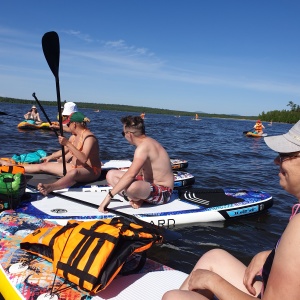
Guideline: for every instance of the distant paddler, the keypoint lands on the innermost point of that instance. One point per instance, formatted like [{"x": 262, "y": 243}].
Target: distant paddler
[{"x": 258, "y": 127}]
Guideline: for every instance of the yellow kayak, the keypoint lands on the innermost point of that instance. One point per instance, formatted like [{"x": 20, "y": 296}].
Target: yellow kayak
[{"x": 33, "y": 126}]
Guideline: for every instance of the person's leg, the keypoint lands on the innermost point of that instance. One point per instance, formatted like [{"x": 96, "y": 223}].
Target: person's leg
[
  {"x": 220, "y": 262},
  {"x": 227, "y": 266},
  {"x": 184, "y": 295},
  {"x": 47, "y": 167},
  {"x": 73, "y": 176},
  {"x": 114, "y": 176}
]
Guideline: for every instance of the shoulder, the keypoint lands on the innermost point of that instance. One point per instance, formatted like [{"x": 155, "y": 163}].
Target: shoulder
[{"x": 290, "y": 240}]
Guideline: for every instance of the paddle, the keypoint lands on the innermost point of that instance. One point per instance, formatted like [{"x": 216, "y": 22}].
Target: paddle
[
  {"x": 50, "y": 43},
  {"x": 167, "y": 234},
  {"x": 42, "y": 109},
  {"x": 5, "y": 114}
]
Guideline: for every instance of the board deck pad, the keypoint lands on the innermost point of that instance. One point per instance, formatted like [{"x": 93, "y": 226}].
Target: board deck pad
[
  {"x": 208, "y": 198},
  {"x": 35, "y": 276}
]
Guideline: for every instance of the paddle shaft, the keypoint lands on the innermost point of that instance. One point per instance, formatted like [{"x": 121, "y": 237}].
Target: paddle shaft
[
  {"x": 167, "y": 234},
  {"x": 5, "y": 114},
  {"x": 51, "y": 49},
  {"x": 42, "y": 109}
]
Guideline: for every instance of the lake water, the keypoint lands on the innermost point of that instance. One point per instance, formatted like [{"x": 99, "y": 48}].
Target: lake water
[{"x": 219, "y": 156}]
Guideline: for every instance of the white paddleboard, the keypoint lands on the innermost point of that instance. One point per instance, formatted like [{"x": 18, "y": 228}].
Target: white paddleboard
[{"x": 213, "y": 205}]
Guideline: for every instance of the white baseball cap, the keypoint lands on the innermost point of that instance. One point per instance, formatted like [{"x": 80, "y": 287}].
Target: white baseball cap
[
  {"x": 69, "y": 108},
  {"x": 285, "y": 143}
]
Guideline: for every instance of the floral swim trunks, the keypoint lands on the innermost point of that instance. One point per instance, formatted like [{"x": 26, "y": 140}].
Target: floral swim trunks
[{"x": 159, "y": 194}]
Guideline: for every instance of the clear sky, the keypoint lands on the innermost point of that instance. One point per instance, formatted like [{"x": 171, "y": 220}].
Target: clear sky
[{"x": 215, "y": 56}]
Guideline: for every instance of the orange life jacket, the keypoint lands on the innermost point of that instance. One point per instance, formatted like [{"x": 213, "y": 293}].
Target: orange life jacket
[
  {"x": 90, "y": 254},
  {"x": 12, "y": 169},
  {"x": 258, "y": 127}
]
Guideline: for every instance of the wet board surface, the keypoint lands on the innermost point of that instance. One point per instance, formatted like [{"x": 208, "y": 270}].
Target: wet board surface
[{"x": 29, "y": 277}]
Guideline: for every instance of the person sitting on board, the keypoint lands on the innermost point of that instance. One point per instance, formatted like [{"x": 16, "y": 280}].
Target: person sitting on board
[
  {"x": 272, "y": 274},
  {"x": 150, "y": 177},
  {"x": 81, "y": 154},
  {"x": 258, "y": 127},
  {"x": 68, "y": 109},
  {"x": 33, "y": 115}
]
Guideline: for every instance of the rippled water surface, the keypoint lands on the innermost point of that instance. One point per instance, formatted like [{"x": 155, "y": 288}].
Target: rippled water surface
[{"x": 219, "y": 156}]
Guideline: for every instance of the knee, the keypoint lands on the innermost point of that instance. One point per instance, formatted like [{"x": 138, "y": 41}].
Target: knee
[
  {"x": 112, "y": 177},
  {"x": 210, "y": 259},
  {"x": 169, "y": 295}
]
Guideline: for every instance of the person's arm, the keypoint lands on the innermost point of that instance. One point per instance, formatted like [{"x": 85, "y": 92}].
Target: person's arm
[
  {"x": 54, "y": 156},
  {"x": 26, "y": 116},
  {"x": 283, "y": 282},
  {"x": 38, "y": 117},
  {"x": 222, "y": 289},
  {"x": 140, "y": 156},
  {"x": 254, "y": 269}
]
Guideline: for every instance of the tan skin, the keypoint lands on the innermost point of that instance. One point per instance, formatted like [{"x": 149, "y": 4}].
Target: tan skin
[
  {"x": 83, "y": 159},
  {"x": 219, "y": 273},
  {"x": 150, "y": 159}
]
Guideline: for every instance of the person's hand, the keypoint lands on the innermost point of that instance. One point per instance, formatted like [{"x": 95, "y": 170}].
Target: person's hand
[
  {"x": 63, "y": 141},
  {"x": 44, "y": 159},
  {"x": 254, "y": 269},
  {"x": 201, "y": 279},
  {"x": 104, "y": 204}
]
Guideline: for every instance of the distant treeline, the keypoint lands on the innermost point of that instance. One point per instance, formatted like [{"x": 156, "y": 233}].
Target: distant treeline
[
  {"x": 285, "y": 116},
  {"x": 129, "y": 108}
]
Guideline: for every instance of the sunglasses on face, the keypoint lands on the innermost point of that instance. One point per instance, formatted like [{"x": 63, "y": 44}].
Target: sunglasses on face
[
  {"x": 286, "y": 156},
  {"x": 125, "y": 132},
  {"x": 69, "y": 124}
]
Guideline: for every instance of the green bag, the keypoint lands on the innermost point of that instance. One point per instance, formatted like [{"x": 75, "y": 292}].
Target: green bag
[{"x": 12, "y": 188}]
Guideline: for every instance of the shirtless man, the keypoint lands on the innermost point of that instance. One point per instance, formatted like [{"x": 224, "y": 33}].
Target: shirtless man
[
  {"x": 150, "y": 177},
  {"x": 81, "y": 153}
]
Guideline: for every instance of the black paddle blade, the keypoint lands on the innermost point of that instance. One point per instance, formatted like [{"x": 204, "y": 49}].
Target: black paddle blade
[
  {"x": 3, "y": 113},
  {"x": 50, "y": 43}
]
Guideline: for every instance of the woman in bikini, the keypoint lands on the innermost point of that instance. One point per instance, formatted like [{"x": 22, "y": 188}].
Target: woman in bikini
[
  {"x": 272, "y": 274},
  {"x": 81, "y": 154},
  {"x": 33, "y": 115}
]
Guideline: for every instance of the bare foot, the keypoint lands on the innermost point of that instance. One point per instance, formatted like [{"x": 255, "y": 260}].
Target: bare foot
[
  {"x": 44, "y": 189},
  {"x": 136, "y": 204}
]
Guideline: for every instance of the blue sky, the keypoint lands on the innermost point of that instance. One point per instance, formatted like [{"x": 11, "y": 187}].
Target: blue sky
[{"x": 216, "y": 56}]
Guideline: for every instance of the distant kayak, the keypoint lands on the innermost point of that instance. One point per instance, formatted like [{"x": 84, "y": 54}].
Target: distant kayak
[{"x": 32, "y": 126}]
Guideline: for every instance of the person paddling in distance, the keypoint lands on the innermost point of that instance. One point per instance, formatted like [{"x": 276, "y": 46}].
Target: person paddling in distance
[
  {"x": 82, "y": 157},
  {"x": 150, "y": 177},
  {"x": 272, "y": 274},
  {"x": 259, "y": 127},
  {"x": 33, "y": 115}
]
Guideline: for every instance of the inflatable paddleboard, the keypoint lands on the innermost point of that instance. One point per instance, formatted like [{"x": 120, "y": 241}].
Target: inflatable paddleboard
[
  {"x": 181, "y": 178},
  {"x": 27, "y": 276},
  {"x": 177, "y": 164},
  {"x": 187, "y": 206}
]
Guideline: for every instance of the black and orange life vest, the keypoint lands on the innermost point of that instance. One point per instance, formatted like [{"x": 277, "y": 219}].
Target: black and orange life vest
[{"x": 90, "y": 254}]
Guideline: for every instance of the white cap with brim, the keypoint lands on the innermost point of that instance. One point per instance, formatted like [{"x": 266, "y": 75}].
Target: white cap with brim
[
  {"x": 69, "y": 108},
  {"x": 285, "y": 143}
]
